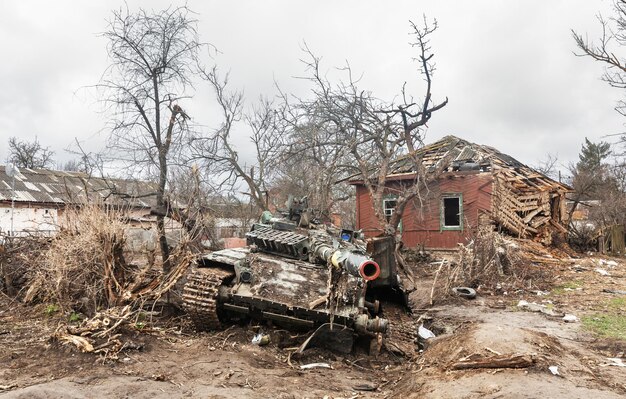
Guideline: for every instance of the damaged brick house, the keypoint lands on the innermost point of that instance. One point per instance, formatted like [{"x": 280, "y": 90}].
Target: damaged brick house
[{"x": 476, "y": 185}]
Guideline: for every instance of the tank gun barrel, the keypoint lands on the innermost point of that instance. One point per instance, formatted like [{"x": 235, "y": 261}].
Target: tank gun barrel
[{"x": 352, "y": 261}]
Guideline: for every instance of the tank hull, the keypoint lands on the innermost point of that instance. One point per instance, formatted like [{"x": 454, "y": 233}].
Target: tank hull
[{"x": 288, "y": 292}]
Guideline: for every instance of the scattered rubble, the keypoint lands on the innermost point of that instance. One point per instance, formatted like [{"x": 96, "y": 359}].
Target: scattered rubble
[
  {"x": 461, "y": 341},
  {"x": 536, "y": 307},
  {"x": 570, "y": 318}
]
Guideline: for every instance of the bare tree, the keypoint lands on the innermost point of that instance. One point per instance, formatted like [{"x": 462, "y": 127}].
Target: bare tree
[
  {"x": 311, "y": 164},
  {"x": 29, "y": 154},
  {"x": 607, "y": 49},
  {"x": 193, "y": 203},
  {"x": 548, "y": 166},
  {"x": 220, "y": 152},
  {"x": 153, "y": 58},
  {"x": 374, "y": 134}
]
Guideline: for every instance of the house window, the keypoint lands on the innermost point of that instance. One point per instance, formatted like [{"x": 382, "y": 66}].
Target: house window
[
  {"x": 452, "y": 212},
  {"x": 389, "y": 206}
]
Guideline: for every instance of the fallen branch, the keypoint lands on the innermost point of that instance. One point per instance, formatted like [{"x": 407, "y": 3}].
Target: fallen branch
[
  {"x": 80, "y": 342},
  {"x": 495, "y": 362}
]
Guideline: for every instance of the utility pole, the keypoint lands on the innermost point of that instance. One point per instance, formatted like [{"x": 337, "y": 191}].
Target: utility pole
[{"x": 12, "y": 170}]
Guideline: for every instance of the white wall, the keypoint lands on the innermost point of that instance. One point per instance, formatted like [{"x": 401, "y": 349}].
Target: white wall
[{"x": 29, "y": 220}]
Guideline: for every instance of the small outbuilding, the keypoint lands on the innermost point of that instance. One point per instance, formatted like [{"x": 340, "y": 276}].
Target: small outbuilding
[
  {"x": 469, "y": 185},
  {"x": 33, "y": 201}
]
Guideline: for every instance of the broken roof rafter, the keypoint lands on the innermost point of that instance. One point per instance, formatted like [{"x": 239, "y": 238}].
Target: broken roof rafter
[{"x": 459, "y": 153}]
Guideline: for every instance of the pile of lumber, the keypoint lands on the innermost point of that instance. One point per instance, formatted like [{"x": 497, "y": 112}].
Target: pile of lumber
[{"x": 525, "y": 210}]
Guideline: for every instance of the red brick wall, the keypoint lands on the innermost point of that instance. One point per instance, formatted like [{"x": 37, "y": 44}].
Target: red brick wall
[{"x": 421, "y": 224}]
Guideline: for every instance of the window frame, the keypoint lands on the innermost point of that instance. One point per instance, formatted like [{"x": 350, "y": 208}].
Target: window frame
[
  {"x": 393, "y": 210},
  {"x": 442, "y": 215}
]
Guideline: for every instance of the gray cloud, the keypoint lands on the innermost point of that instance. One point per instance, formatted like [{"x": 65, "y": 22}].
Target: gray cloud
[{"x": 507, "y": 67}]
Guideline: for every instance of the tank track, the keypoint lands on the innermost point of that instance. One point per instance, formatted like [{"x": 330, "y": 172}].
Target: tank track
[{"x": 200, "y": 297}]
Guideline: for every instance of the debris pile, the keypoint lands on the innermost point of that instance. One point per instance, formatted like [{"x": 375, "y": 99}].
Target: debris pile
[
  {"x": 101, "y": 334},
  {"x": 87, "y": 266},
  {"x": 84, "y": 267},
  {"x": 86, "y": 271},
  {"x": 486, "y": 261},
  {"x": 494, "y": 263}
]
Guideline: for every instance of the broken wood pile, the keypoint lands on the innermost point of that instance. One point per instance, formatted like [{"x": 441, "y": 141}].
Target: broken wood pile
[
  {"x": 104, "y": 332},
  {"x": 525, "y": 204},
  {"x": 539, "y": 254},
  {"x": 493, "y": 262},
  {"x": 487, "y": 260},
  {"x": 101, "y": 334},
  {"x": 84, "y": 267},
  {"x": 83, "y": 271}
]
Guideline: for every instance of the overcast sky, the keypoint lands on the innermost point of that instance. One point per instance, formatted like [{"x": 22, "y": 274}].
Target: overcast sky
[{"x": 507, "y": 67}]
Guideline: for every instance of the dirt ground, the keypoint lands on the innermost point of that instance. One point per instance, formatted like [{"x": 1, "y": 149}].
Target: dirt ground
[{"x": 171, "y": 360}]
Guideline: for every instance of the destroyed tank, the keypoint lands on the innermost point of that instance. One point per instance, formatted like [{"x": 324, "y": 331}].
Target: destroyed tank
[{"x": 293, "y": 273}]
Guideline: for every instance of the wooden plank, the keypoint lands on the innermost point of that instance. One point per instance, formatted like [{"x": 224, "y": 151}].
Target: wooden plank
[
  {"x": 529, "y": 197},
  {"x": 538, "y": 222},
  {"x": 558, "y": 226},
  {"x": 531, "y": 215}
]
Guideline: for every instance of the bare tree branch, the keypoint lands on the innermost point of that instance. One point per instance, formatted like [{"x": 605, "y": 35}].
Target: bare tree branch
[
  {"x": 29, "y": 154},
  {"x": 153, "y": 59}
]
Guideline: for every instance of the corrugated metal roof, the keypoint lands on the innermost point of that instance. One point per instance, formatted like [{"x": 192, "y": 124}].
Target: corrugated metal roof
[
  {"x": 31, "y": 186},
  {"x": 468, "y": 153},
  {"x": 42, "y": 185},
  {"x": 24, "y": 196}
]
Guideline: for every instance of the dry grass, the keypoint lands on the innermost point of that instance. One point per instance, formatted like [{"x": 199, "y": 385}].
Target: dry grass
[
  {"x": 16, "y": 258},
  {"x": 84, "y": 267}
]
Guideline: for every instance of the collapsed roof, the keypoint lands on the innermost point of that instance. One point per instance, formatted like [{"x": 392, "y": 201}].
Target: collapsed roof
[{"x": 451, "y": 154}]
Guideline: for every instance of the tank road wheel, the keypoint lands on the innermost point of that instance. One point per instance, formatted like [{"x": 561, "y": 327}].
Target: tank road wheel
[{"x": 200, "y": 297}]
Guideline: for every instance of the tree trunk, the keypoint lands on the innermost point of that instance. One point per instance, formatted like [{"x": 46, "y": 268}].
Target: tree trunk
[{"x": 165, "y": 249}]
